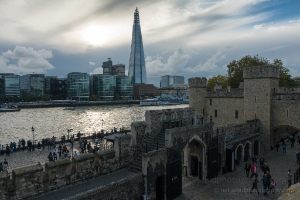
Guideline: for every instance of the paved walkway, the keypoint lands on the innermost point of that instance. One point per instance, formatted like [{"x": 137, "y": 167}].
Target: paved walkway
[
  {"x": 25, "y": 158},
  {"x": 235, "y": 185},
  {"x": 84, "y": 186}
]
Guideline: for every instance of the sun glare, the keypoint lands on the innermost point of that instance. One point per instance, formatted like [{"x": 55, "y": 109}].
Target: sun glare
[{"x": 95, "y": 35}]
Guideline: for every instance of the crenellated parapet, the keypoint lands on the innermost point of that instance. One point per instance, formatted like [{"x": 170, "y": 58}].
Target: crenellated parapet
[
  {"x": 267, "y": 71},
  {"x": 197, "y": 82}
]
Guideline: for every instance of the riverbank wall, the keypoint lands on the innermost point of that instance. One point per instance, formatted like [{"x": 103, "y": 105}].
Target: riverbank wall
[{"x": 49, "y": 105}]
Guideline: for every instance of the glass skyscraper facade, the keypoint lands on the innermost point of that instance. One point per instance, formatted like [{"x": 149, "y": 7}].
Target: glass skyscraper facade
[
  {"x": 78, "y": 86},
  {"x": 104, "y": 86},
  {"x": 9, "y": 85},
  {"x": 32, "y": 84},
  {"x": 137, "y": 68},
  {"x": 124, "y": 87}
]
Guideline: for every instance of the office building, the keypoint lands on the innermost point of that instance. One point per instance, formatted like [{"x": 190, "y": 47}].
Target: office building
[
  {"x": 167, "y": 80},
  {"x": 124, "y": 87},
  {"x": 32, "y": 85},
  {"x": 78, "y": 86},
  {"x": 103, "y": 86},
  {"x": 9, "y": 85}
]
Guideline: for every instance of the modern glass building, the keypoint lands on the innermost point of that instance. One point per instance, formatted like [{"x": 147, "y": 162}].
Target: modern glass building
[
  {"x": 137, "y": 68},
  {"x": 57, "y": 87},
  {"x": 124, "y": 87},
  {"x": 9, "y": 85},
  {"x": 167, "y": 80},
  {"x": 32, "y": 84},
  {"x": 104, "y": 86},
  {"x": 78, "y": 86}
]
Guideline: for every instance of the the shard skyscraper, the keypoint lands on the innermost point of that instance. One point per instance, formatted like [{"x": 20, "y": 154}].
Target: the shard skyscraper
[{"x": 137, "y": 68}]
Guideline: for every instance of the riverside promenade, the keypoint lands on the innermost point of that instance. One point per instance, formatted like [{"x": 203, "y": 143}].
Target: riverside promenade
[
  {"x": 235, "y": 185},
  {"x": 24, "y": 158}
]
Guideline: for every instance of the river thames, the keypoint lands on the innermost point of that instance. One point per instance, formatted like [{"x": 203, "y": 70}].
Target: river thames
[{"x": 49, "y": 122}]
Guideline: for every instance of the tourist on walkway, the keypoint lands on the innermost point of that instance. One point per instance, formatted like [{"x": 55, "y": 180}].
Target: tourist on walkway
[
  {"x": 253, "y": 170},
  {"x": 75, "y": 153},
  {"x": 254, "y": 186},
  {"x": 247, "y": 168},
  {"x": 50, "y": 157},
  {"x": 54, "y": 155},
  {"x": 261, "y": 162},
  {"x": 59, "y": 151},
  {"x": 283, "y": 148},
  {"x": 292, "y": 141},
  {"x": 268, "y": 180},
  {"x": 272, "y": 186},
  {"x": 7, "y": 150},
  {"x": 264, "y": 184},
  {"x": 266, "y": 168},
  {"x": 5, "y": 165},
  {"x": 289, "y": 178}
]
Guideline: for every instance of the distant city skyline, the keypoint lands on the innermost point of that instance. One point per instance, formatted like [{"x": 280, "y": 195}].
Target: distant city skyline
[{"x": 196, "y": 38}]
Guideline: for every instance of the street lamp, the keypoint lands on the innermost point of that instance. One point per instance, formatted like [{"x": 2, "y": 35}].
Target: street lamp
[
  {"x": 32, "y": 129},
  {"x": 102, "y": 123},
  {"x": 69, "y": 130}
]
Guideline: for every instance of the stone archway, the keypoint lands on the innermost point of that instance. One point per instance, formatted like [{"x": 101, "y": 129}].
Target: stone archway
[
  {"x": 282, "y": 131},
  {"x": 239, "y": 153},
  {"x": 195, "y": 158},
  {"x": 247, "y": 151},
  {"x": 256, "y": 148}
]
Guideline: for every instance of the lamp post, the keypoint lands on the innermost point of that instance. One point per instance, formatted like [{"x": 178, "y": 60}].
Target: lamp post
[
  {"x": 102, "y": 123},
  {"x": 69, "y": 130},
  {"x": 72, "y": 144},
  {"x": 32, "y": 129}
]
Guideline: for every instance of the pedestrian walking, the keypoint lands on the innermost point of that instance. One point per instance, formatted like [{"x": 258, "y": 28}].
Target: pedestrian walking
[
  {"x": 264, "y": 184},
  {"x": 254, "y": 186},
  {"x": 50, "y": 157},
  {"x": 7, "y": 150},
  {"x": 1, "y": 167},
  {"x": 261, "y": 162},
  {"x": 253, "y": 170},
  {"x": 5, "y": 165},
  {"x": 289, "y": 178},
  {"x": 283, "y": 148},
  {"x": 268, "y": 180},
  {"x": 272, "y": 186},
  {"x": 247, "y": 168},
  {"x": 75, "y": 153}
]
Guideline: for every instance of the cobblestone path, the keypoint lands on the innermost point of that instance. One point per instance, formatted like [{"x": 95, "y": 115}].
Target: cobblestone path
[{"x": 235, "y": 185}]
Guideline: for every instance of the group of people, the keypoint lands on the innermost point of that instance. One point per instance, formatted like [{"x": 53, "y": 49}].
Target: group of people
[
  {"x": 61, "y": 152},
  {"x": 268, "y": 183}
]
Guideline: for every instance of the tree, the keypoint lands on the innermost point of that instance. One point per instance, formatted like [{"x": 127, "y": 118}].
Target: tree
[
  {"x": 217, "y": 79},
  {"x": 235, "y": 70}
]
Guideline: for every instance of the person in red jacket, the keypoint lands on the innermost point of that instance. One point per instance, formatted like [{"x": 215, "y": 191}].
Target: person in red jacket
[{"x": 254, "y": 171}]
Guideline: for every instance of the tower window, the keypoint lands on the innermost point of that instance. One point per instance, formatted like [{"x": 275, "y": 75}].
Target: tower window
[
  {"x": 210, "y": 102},
  {"x": 236, "y": 114},
  {"x": 216, "y": 113}
]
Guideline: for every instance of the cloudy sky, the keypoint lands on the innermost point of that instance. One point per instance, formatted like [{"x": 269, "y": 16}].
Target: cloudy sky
[{"x": 190, "y": 38}]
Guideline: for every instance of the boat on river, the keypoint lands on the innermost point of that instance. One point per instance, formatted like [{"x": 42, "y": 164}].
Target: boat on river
[
  {"x": 156, "y": 102},
  {"x": 9, "y": 108},
  {"x": 69, "y": 108}
]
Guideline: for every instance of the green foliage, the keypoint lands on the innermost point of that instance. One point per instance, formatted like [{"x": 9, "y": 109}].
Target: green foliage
[
  {"x": 46, "y": 97},
  {"x": 235, "y": 71},
  {"x": 217, "y": 79},
  {"x": 94, "y": 97}
]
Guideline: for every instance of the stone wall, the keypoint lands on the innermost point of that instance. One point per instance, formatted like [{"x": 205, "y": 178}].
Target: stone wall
[
  {"x": 35, "y": 179},
  {"x": 155, "y": 166},
  {"x": 226, "y": 110},
  {"x": 129, "y": 188}
]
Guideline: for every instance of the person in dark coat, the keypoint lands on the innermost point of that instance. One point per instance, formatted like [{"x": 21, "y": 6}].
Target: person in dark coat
[
  {"x": 254, "y": 186},
  {"x": 247, "y": 168}
]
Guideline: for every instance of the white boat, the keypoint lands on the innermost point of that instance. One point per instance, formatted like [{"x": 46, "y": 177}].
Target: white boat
[
  {"x": 6, "y": 108},
  {"x": 69, "y": 108},
  {"x": 155, "y": 102}
]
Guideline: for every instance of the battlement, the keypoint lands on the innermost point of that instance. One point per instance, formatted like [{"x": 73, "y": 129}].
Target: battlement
[
  {"x": 197, "y": 82},
  {"x": 267, "y": 71}
]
